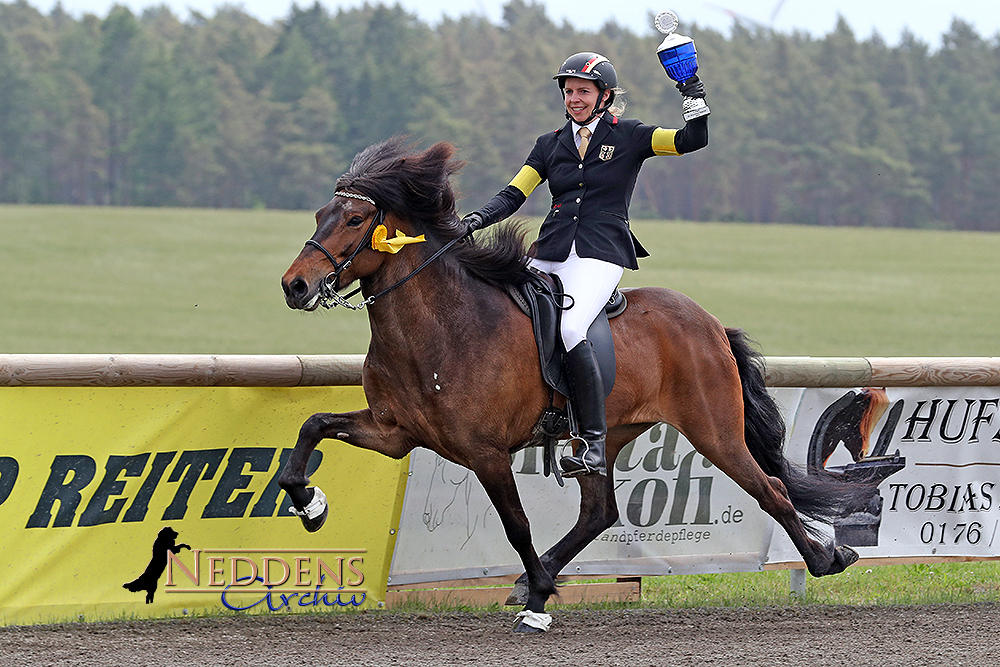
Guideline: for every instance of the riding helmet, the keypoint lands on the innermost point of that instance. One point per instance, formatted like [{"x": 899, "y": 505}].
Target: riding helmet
[{"x": 591, "y": 66}]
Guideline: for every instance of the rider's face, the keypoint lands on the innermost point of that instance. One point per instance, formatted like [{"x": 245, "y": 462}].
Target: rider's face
[{"x": 580, "y": 97}]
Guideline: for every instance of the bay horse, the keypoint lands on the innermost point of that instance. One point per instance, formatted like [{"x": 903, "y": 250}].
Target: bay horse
[{"x": 453, "y": 366}]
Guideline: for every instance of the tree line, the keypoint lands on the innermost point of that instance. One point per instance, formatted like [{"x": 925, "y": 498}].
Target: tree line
[{"x": 226, "y": 111}]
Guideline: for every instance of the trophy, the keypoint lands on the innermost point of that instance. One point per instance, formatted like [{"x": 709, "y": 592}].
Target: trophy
[{"x": 680, "y": 60}]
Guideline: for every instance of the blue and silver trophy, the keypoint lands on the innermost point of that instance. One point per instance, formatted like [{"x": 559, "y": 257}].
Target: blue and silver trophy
[{"x": 680, "y": 60}]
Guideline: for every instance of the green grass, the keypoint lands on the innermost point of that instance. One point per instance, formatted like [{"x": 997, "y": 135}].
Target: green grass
[
  {"x": 116, "y": 280},
  {"x": 886, "y": 585},
  {"x": 120, "y": 280},
  {"x": 824, "y": 291},
  {"x": 859, "y": 585}
]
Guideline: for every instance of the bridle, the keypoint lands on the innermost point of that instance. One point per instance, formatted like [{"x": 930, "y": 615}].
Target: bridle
[
  {"x": 327, "y": 290},
  {"x": 329, "y": 297}
]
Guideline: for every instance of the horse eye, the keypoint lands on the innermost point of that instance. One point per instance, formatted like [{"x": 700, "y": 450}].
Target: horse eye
[{"x": 355, "y": 221}]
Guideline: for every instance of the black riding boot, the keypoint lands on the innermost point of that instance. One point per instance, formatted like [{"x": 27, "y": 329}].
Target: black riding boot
[{"x": 588, "y": 408}]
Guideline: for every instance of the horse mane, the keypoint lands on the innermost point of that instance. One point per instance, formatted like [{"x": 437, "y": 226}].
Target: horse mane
[{"x": 417, "y": 186}]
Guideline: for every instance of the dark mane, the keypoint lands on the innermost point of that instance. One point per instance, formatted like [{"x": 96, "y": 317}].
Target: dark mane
[{"x": 417, "y": 186}]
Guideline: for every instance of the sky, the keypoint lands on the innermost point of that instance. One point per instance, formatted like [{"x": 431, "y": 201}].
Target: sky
[{"x": 926, "y": 19}]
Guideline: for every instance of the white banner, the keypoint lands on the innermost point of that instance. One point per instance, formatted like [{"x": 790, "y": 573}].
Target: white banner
[
  {"x": 934, "y": 453},
  {"x": 679, "y": 514},
  {"x": 931, "y": 456}
]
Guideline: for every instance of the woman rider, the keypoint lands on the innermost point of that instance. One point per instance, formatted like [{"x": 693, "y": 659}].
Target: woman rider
[{"x": 591, "y": 165}]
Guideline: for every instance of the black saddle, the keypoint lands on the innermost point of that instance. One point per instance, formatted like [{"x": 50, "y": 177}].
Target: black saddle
[{"x": 542, "y": 299}]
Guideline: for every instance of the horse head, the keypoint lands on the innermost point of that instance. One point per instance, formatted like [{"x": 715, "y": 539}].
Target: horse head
[
  {"x": 338, "y": 253},
  {"x": 389, "y": 198},
  {"x": 393, "y": 196}
]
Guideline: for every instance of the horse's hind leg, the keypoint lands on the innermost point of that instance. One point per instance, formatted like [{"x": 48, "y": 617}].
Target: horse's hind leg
[
  {"x": 498, "y": 481},
  {"x": 772, "y": 496},
  {"x": 717, "y": 398},
  {"x": 719, "y": 438}
]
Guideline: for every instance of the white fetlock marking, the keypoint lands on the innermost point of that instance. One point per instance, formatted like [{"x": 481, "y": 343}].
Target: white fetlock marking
[
  {"x": 530, "y": 618},
  {"x": 315, "y": 507}
]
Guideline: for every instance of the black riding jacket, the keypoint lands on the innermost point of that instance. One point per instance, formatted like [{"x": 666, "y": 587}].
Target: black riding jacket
[{"x": 590, "y": 197}]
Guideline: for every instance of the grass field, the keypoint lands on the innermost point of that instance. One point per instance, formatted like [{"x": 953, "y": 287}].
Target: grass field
[
  {"x": 859, "y": 585},
  {"x": 117, "y": 280}
]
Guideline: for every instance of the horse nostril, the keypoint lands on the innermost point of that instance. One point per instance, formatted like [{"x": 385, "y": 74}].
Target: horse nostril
[{"x": 297, "y": 288}]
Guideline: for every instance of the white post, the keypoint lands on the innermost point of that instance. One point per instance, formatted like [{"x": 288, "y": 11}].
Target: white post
[{"x": 797, "y": 582}]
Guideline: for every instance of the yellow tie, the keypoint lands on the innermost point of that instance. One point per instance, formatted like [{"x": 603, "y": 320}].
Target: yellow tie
[{"x": 584, "y": 141}]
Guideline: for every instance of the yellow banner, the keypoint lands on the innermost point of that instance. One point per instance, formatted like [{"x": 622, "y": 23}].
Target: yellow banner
[{"x": 174, "y": 491}]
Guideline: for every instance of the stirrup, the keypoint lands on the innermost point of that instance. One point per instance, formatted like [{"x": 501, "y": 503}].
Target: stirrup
[{"x": 586, "y": 468}]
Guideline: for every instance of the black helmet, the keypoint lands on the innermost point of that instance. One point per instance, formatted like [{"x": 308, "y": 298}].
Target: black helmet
[
  {"x": 593, "y": 67},
  {"x": 587, "y": 65}
]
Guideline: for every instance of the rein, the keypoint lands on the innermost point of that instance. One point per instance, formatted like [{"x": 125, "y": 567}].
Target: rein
[{"x": 329, "y": 296}]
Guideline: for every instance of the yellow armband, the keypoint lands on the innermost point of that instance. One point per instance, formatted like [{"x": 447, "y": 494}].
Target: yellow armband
[
  {"x": 663, "y": 142},
  {"x": 528, "y": 179}
]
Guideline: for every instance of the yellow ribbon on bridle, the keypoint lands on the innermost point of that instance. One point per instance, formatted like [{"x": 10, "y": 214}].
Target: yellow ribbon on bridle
[{"x": 382, "y": 242}]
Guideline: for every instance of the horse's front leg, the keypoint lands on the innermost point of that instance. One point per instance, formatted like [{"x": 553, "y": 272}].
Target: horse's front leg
[
  {"x": 355, "y": 428},
  {"x": 598, "y": 512}
]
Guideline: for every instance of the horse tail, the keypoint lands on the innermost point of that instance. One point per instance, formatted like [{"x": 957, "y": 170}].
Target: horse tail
[{"x": 816, "y": 494}]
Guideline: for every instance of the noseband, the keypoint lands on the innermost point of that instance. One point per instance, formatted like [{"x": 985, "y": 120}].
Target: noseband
[{"x": 327, "y": 289}]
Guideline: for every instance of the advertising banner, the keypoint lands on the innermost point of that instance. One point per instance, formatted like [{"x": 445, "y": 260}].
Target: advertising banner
[
  {"x": 679, "y": 514},
  {"x": 129, "y": 502},
  {"x": 123, "y": 502},
  {"x": 931, "y": 456}
]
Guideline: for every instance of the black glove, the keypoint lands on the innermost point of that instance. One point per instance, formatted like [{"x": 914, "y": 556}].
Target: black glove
[
  {"x": 475, "y": 221},
  {"x": 693, "y": 87}
]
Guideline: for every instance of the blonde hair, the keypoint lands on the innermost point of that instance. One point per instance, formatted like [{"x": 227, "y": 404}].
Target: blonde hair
[{"x": 617, "y": 107}]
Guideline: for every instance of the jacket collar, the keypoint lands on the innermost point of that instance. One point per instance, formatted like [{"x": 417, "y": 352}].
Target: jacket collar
[{"x": 604, "y": 127}]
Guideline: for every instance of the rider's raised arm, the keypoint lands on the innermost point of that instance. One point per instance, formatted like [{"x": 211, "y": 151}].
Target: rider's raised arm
[
  {"x": 691, "y": 137},
  {"x": 694, "y": 134}
]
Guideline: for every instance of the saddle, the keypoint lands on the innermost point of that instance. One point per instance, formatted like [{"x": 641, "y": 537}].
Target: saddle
[{"x": 542, "y": 299}]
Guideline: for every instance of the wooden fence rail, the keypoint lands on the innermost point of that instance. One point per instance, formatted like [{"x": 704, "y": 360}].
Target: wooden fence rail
[
  {"x": 179, "y": 370},
  {"x": 204, "y": 370}
]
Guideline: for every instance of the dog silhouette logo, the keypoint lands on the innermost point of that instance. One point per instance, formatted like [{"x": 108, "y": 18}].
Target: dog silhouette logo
[{"x": 165, "y": 542}]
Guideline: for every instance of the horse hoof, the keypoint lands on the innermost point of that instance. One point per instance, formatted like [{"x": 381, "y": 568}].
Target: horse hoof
[
  {"x": 314, "y": 514},
  {"x": 532, "y": 622},
  {"x": 519, "y": 596},
  {"x": 844, "y": 557},
  {"x": 312, "y": 525},
  {"x": 524, "y": 628}
]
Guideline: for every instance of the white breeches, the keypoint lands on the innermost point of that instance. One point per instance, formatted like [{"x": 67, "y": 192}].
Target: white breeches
[{"x": 590, "y": 283}]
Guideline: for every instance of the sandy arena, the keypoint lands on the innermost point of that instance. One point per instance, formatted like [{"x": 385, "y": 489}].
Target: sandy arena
[{"x": 818, "y": 636}]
